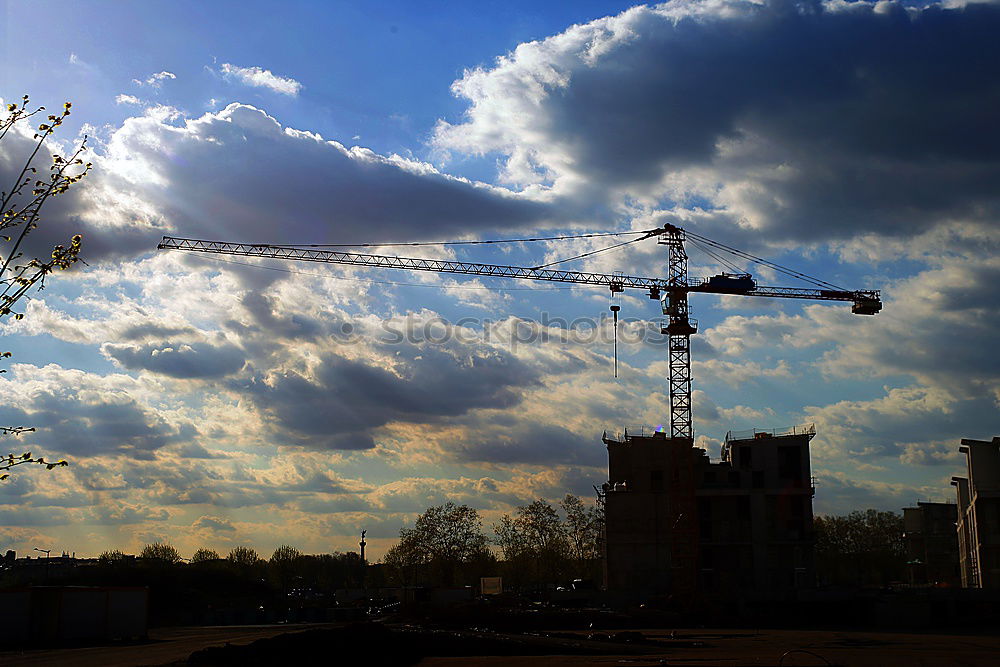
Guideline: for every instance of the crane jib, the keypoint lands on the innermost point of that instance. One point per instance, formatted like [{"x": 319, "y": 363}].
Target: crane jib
[{"x": 613, "y": 281}]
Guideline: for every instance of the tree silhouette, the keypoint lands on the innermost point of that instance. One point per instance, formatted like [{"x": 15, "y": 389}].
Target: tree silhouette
[
  {"x": 584, "y": 530},
  {"x": 583, "y": 527},
  {"x": 111, "y": 557},
  {"x": 161, "y": 552},
  {"x": 20, "y": 210},
  {"x": 442, "y": 539},
  {"x": 204, "y": 555},
  {"x": 285, "y": 554},
  {"x": 283, "y": 564},
  {"x": 534, "y": 544},
  {"x": 243, "y": 557},
  {"x": 860, "y": 548}
]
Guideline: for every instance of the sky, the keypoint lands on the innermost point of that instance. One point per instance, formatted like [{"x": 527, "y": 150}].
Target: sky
[{"x": 214, "y": 402}]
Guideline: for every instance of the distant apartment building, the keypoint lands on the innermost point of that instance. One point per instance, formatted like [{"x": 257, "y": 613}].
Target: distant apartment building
[
  {"x": 679, "y": 524},
  {"x": 978, "y": 523},
  {"x": 931, "y": 544}
]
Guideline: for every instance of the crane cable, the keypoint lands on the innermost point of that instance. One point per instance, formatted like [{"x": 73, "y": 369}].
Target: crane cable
[
  {"x": 641, "y": 236},
  {"x": 717, "y": 257},
  {"x": 447, "y": 243},
  {"x": 777, "y": 267},
  {"x": 594, "y": 252}
]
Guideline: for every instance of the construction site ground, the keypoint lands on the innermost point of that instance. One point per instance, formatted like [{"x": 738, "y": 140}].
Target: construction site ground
[{"x": 698, "y": 647}]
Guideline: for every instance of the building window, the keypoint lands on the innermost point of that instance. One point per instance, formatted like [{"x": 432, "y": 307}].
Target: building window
[
  {"x": 798, "y": 507},
  {"x": 746, "y": 457},
  {"x": 790, "y": 463},
  {"x": 758, "y": 479},
  {"x": 655, "y": 480},
  {"x": 795, "y": 529},
  {"x": 705, "y": 529},
  {"x": 743, "y": 504}
]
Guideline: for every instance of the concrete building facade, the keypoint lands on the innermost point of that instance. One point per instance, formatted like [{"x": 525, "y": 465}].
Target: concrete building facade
[
  {"x": 931, "y": 544},
  {"x": 978, "y": 524},
  {"x": 679, "y": 524}
]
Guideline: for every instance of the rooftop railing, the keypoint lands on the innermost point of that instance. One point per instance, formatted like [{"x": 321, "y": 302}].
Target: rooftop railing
[
  {"x": 754, "y": 433},
  {"x": 640, "y": 431}
]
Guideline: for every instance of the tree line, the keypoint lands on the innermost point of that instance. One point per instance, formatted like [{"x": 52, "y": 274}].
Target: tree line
[
  {"x": 536, "y": 546},
  {"x": 862, "y": 548},
  {"x": 286, "y": 569}
]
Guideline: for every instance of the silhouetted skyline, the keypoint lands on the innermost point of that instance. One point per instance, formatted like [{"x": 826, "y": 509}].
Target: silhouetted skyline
[{"x": 214, "y": 404}]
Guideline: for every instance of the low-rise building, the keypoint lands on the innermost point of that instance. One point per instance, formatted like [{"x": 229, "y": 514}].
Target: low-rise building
[{"x": 931, "y": 543}]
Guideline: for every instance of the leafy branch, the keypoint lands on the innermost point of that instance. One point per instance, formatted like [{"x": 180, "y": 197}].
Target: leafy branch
[
  {"x": 21, "y": 212},
  {"x": 12, "y": 460},
  {"x": 20, "y": 209}
]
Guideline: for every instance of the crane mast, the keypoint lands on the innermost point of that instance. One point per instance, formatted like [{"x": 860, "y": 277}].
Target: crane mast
[
  {"x": 679, "y": 328},
  {"x": 672, "y": 292}
]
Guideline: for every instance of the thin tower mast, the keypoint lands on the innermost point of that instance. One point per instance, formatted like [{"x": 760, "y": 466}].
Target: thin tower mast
[{"x": 679, "y": 328}]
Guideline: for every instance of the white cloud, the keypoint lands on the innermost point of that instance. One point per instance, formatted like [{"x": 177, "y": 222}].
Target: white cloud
[
  {"x": 312, "y": 189},
  {"x": 81, "y": 64},
  {"x": 936, "y": 327},
  {"x": 127, "y": 99},
  {"x": 261, "y": 78},
  {"x": 739, "y": 104},
  {"x": 155, "y": 80}
]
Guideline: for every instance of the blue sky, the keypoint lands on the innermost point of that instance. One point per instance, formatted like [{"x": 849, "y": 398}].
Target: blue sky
[
  {"x": 216, "y": 404},
  {"x": 378, "y": 70}
]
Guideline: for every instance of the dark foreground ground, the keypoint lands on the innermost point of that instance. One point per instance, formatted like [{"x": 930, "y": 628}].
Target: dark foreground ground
[{"x": 376, "y": 644}]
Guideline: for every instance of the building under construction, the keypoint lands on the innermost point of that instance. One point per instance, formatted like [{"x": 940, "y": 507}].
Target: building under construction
[
  {"x": 680, "y": 525},
  {"x": 979, "y": 514},
  {"x": 931, "y": 544}
]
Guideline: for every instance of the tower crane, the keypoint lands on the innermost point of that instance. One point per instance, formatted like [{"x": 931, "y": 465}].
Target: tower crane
[{"x": 671, "y": 291}]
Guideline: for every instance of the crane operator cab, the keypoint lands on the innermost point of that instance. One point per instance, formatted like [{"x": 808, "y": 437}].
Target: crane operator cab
[{"x": 678, "y": 321}]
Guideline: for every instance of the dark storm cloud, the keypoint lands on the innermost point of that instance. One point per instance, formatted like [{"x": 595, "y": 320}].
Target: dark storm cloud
[
  {"x": 320, "y": 482},
  {"x": 214, "y": 524},
  {"x": 530, "y": 443},
  {"x": 193, "y": 450},
  {"x": 334, "y": 408},
  {"x": 194, "y": 360},
  {"x": 18, "y": 486},
  {"x": 843, "y": 494},
  {"x": 900, "y": 427},
  {"x": 105, "y": 515},
  {"x": 81, "y": 424},
  {"x": 237, "y": 174},
  {"x": 941, "y": 329},
  {"x": 34, "y": 516},
  {"x": 147, "y": 330},
  {"x": 817, "y": 121},
  {"x": 262, "y": 307}
]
